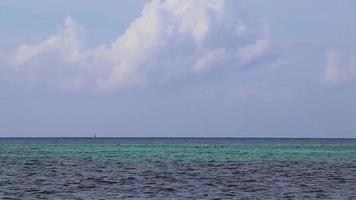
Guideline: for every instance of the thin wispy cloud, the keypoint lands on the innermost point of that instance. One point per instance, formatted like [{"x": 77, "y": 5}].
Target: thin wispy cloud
[{"x": 339, "y": 69}]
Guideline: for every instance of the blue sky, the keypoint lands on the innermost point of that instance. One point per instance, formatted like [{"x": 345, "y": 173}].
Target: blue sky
[{"x": 202, "y": 68}]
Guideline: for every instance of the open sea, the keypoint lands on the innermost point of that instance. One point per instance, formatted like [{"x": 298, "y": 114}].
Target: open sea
[{"x": 177, "y": 168}]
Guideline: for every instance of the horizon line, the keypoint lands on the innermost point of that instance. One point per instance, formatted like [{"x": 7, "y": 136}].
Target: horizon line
[{"x": 168, "y": 137}]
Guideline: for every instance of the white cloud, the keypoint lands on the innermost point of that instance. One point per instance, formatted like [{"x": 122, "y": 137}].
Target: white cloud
[
  {"x": 339, "y": 71},
  {"x": 211, "y": 58},
  {"x": 67, "y": 43},
  {"x": 170, "y": 39},
  {"x": 250, "y": 52}
]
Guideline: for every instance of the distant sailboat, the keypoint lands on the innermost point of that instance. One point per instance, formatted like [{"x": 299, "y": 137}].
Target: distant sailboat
[{"x": 94, "y": 136}]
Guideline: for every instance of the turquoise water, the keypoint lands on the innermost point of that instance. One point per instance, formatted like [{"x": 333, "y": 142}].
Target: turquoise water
[
  {"x": 318, "y": 150},
  {"x": 177, "y": 168}
]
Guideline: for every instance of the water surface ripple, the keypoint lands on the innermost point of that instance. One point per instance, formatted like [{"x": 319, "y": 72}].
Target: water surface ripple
[{"x": 177, "y": 169}]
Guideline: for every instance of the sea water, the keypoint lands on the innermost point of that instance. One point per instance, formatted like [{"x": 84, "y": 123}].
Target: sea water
[{"x": 177, "y": 168}]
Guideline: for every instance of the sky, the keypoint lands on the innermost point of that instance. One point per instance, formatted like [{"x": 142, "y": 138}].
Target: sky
[{"x": 178, "y": 68}]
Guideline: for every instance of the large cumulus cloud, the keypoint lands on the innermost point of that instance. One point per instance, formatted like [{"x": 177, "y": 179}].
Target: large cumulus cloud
[{"x": 171, "y": 39}]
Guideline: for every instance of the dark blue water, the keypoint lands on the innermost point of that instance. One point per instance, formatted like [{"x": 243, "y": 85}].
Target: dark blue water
[{"x": 177, "y": 168}]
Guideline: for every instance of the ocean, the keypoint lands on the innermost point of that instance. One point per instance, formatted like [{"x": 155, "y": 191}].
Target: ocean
[{"x": 177, "y": 168}]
